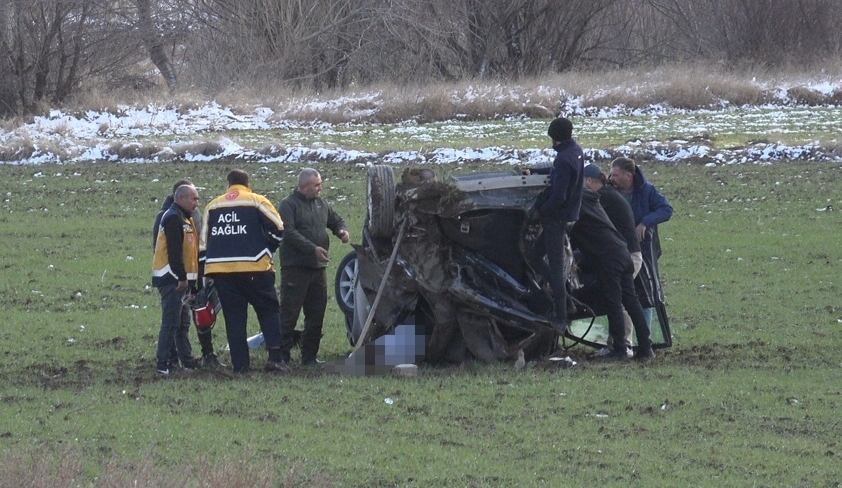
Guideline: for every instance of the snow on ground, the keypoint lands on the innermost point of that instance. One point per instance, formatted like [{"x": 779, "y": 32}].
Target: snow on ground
[{"x": 655, "y": 133}]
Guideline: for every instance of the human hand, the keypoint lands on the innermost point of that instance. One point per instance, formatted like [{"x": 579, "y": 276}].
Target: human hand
[
  {"x": 321, "y": 254},
  {"x": 344, "y": 236},
  {"x": 641, "y": 232},
  {"x": 526, "y": 171},
  {"x": 182, "y": 285}
]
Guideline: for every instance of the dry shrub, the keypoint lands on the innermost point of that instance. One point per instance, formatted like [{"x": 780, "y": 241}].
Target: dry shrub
[
  {"x": 240, "y": 100},
  {"x": 134, "y": 150},
  {"x": 273, "y": 151},
  {"x": 99, "y": 100},
  {"x": 435, "y": 106},
  {"x": 62, "y": 467},
  {"x": 10, "y": 124},
  {"x": 740, "y": 94},
  {"x": 834, "y": 149},
  {"x": 688, "y": 87},
  {"x": 205, "y": 148},
  {"x": 49, "y": 146},
  {"x": 17, "y": 150},
  {"x": 806, "y": 96}
]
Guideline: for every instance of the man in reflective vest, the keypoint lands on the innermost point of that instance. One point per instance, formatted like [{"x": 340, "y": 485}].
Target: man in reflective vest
[
  {"x": 241, "y": 231},
  {"x": 175, "y": 271}
]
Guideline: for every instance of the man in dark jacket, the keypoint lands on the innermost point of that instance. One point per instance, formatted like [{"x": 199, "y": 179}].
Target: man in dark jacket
[
  {"x": 620, "y": 214},
  {"x": 605, "y": 251},
  {"x": 209, "y": 358},
  {"x": 175, "y": 271},
  {"x": 304, "y": 258},
  {"x": 649, "y": 208},
  {"x": 557, "y": 208}
]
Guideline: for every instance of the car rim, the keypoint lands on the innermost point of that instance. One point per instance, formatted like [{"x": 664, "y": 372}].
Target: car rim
[{"x": 347, "y": 282}]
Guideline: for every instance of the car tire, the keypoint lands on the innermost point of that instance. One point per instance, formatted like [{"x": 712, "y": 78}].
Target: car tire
[
  {"x": 380, "y": 196},
  {"x": 345, "y": 282}
]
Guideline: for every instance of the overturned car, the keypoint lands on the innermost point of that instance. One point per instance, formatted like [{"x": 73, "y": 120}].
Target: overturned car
[{"x": 447, "y": 262}]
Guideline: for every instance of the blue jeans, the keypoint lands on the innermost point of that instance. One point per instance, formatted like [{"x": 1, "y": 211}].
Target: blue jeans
[{"x": 175, "y": 323}]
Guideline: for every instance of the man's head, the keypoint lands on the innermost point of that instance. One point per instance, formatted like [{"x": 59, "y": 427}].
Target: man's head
[
  {"x": 593, "y": 177},
  {"x": 238, "y": 177},
  {"x": 310, "y": 183},
  {"x": 560, "y": 130},
  {"x": 187, "y": 198},
  {"x": 622, "y": 174},
  {"x": 180, "y": 183}
]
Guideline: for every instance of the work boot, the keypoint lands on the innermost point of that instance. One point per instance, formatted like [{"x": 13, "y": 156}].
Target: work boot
[
  {"x": 645, "y": 354},
  {"x": 307, "y": 362},
  {"x": 276, "y": 367},
  {"x": 617, "y": 354},
  {"x": 211, "y": 361}
]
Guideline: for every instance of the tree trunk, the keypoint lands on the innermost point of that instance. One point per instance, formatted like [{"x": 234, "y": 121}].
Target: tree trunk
[
  {"x": 8, "y": 99},
  {"x": 153, "y": 43}
]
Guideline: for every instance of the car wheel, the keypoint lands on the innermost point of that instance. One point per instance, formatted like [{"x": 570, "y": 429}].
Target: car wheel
[
  {"x": 380, "y": 196},
  {"x": 345, "y": 282}
]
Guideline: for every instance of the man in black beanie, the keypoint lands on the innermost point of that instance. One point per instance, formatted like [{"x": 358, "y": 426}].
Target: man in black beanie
[{"x": 558, "y": 208}]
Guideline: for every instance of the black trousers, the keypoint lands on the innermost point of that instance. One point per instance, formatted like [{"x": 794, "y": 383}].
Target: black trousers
[
  {"x": 616, "y": 275},
  {"x": 551, "y": 244},
  {"x": 303, "y": 288},
  {"x": 236, "y": 292}
]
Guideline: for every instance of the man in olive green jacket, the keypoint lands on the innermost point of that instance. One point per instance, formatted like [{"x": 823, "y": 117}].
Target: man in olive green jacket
[{"x": 304, "y": 252}]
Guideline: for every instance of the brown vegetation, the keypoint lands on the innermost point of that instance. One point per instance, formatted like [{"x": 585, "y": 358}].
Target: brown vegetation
[
  {"x": 64, "y": 467},
  {"x": 52, "y": 51}
]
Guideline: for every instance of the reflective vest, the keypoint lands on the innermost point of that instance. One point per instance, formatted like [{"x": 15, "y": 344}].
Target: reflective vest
[
  {"x": 162, "y": 272},
  {"x": 241, "y": 231}
]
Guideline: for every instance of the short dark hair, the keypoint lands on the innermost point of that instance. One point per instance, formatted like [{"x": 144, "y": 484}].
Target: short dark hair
[
  {"x": 238, "y": 177},
  {"x": 181, "y": 183},
  {"x": 625, "y": 164}
]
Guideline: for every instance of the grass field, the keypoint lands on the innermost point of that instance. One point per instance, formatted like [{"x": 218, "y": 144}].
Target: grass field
[{"x": 749, "y": 395}]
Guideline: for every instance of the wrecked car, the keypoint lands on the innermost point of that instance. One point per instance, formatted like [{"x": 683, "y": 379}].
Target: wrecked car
[{"x": 443, "y": 263}]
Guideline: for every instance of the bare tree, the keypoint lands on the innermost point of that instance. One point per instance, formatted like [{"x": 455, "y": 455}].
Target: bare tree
[
  {"x": 154, "y": 42},
  {"x": 8, "y": 97}
]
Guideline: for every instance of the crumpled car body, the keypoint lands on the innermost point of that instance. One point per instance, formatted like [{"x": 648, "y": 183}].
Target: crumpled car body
[{"x": 449, "y": 258}]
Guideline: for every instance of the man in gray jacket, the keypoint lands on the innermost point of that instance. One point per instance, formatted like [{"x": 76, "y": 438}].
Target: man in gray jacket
[{"x": 304, "y": 252}]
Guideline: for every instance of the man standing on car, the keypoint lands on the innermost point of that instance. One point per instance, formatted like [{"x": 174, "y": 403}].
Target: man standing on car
[
  {"x": 650, "y": 208},
  {"x": 304, "y": 261},
  {"x": 240, "y": 234},
  {"x": 175, "y": 270},
  {"x": 209, "y": 358},
  {"x": 558, "y": 207}
]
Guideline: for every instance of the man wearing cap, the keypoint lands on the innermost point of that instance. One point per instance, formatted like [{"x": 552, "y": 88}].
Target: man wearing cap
[
  {"x": 620, "y": 214},
  {"x": 558, "y": 207},
  {"x": 604, "y": 251}
]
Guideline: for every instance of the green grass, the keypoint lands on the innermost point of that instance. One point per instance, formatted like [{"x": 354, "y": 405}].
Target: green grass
[{"x": 749, "y": 395}]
